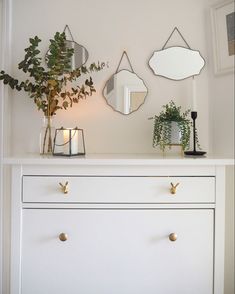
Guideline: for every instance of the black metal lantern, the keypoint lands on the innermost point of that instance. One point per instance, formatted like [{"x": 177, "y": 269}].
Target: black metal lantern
[{"x": 69, "y": 142}]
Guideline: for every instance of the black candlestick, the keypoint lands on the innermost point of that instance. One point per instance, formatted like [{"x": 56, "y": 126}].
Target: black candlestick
[{"x": 194, "y": 152}]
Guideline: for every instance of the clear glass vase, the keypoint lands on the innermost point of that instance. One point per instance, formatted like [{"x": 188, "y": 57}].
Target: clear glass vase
[{"x": 47, "y": 136}]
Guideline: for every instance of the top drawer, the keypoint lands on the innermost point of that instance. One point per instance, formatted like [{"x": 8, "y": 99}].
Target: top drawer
[{"x": 118, "y": 189}]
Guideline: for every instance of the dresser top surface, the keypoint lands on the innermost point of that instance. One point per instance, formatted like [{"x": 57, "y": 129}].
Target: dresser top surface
[{"x": 118, "y": 159}]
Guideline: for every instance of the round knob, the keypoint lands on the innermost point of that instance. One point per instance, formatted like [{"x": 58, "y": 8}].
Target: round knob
[
  {"x": 63, "y": 237},
  {"x": 173, "y": 237}
]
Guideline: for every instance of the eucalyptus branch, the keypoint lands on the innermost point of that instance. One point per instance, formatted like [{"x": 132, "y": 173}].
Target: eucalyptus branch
[{"x": 52, "y": 88}]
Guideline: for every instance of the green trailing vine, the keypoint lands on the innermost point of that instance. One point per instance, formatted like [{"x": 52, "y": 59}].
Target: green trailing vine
[{"x": 163, "y": 127}]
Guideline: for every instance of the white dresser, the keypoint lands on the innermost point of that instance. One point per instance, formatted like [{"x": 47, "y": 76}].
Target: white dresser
[{"x": 117, "y": 225}]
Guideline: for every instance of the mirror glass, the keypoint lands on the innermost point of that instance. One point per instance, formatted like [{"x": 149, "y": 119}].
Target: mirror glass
[
  {"x": 80, "y": 55},
  {"x": 125, "y": 91},
  {"x": 176, "y": 63}
]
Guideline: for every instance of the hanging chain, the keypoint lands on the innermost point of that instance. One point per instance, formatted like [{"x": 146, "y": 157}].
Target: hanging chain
[
  {"x": 68, "y": 29},
  {"x": 128, "y": 59},
  {"x": 176, "y": 29}
]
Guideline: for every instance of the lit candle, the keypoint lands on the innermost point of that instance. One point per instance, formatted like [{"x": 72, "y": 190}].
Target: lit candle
[
  {"x": 73, "y": 141},
  {"x": 194, "y": 95}
]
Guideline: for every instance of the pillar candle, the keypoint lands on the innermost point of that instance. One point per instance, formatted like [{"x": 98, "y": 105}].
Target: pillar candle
[
  {"x": 73, "y": 142},
  {"x": 194, "y": 95}
]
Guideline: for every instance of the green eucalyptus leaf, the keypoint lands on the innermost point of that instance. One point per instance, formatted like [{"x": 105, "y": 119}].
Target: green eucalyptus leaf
[
  {"x": 65, "y": 104},
  {"x": 50, "y": 87}
]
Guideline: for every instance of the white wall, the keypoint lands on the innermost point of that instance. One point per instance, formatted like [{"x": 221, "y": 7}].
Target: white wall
[{"x": 106, "y": 28}]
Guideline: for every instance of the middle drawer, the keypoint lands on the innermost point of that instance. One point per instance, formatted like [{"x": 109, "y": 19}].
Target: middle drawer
[{"x": 121, "y": 189}]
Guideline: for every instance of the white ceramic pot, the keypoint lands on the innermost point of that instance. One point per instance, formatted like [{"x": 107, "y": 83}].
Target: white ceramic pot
[{"x": 175, "y": 133}]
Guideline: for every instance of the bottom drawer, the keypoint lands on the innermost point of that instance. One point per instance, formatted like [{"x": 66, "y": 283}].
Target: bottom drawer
[{"x": 117, "y": 251}]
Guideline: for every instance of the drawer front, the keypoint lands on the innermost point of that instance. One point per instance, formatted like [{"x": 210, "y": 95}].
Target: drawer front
[
  {"x": 118, "y": 189},
  {"x": 117, "y": 251}
]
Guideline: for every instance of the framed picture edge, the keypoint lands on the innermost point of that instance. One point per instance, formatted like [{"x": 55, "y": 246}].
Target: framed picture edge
[{"x": 218, "y": 70}]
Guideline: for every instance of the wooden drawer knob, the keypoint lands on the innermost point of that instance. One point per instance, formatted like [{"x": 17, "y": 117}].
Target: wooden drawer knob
[
  {"x": 173, "y": 188},
  {"x": 63, "y": 237},
  {"x": 65, "y": 187},
  {"x": 173, "y": 237}
]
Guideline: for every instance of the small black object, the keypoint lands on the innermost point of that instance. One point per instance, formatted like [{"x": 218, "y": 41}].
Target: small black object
[{"x": 194, "y": 152}]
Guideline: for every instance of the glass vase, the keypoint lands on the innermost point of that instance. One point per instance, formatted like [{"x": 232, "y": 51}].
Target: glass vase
[{"x": 47, "y": 136}]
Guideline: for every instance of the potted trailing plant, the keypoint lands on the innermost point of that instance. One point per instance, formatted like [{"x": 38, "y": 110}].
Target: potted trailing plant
[
  {"x": 52, "y": 86},
  {"x": 171, "y": 126}
]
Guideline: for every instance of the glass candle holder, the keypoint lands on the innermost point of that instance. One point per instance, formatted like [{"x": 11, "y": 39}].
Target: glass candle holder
[{"x": 69, "y": 142}]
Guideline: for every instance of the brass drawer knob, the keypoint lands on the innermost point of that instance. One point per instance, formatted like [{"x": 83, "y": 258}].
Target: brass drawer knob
[
  {"x": 173, "y": 237},
  {"x": 173, "y": 188},
  {"x": 64, "y": 188},
  {"x": 63, "y": 237}
]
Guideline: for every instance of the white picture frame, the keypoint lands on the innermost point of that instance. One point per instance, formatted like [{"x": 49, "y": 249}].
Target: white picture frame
[{"x": 223, "y": 59}]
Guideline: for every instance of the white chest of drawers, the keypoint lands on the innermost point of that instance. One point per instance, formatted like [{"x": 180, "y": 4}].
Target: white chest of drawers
[{"x": 114, "y": 230}]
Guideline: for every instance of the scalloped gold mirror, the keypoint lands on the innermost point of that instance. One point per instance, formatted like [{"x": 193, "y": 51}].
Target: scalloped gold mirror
[
  {"x": 125, "y": 91},
  {"x": 176, "y": 62},
  {"x": 80, "y": 55}
]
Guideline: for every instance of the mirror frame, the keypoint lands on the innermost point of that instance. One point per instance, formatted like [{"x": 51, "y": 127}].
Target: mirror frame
[
  {"x": 147, "y": 91},
  {"x": 71, "y": 41},
  {"x": 172, "y": 78}
]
